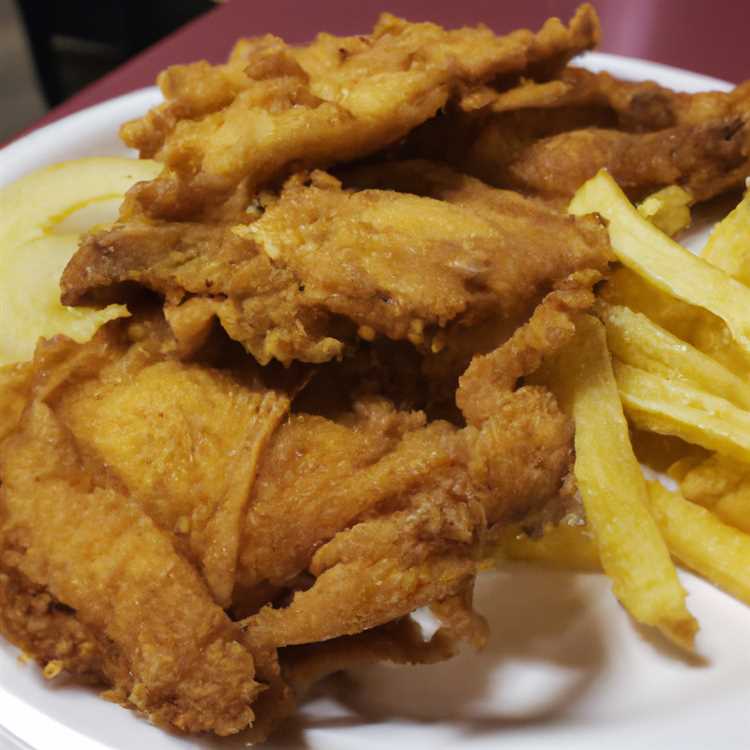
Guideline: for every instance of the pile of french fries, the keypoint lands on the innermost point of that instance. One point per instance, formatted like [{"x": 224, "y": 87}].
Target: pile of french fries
[{"x": 660, "y": 372}]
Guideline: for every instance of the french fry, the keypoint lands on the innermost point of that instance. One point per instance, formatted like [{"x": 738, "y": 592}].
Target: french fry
[
  {"x": 30, "y": 206},
  {"x": 722, "y": 485},
  {"x": 699, "y": 540},
  {"x": 734, "y": 508},
  {"x": 626, "y": 288},
  {"x": 639, "y": 245},
  {"x": 679, "y": 469},
  {"x": 711, "y": 336},
  {"x": 728, "y": 247},
  {"x": 668, "y": 209},
  {"x": 670, "y": 407},
  {"x": 697, "y": 326},
  {"x": 563, "y": 547},
  {"x": 637, "y": 341},
  {"x": 613, "y": 489},
  {"x": 41, "y": 218},
  {"x": 30, "y": 304}
]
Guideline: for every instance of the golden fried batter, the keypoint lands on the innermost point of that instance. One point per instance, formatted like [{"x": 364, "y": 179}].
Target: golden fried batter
[
  {"x": 95, "y": 551},
  {"x": 323, "y": 264},
  {"x": 192, "y": 461},
  {"x": 352, "y": 521},
  {"x": 546, "y": 139},
  {"x": 273, "y": 107}
]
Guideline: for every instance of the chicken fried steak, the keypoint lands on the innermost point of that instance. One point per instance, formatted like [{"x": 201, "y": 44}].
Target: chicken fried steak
[
  {"x": 313, "y": 527},
  {"x": 546, "y": 139},
  {"x": 323, "y": 265},
  {"x": 274, "y": 109}
]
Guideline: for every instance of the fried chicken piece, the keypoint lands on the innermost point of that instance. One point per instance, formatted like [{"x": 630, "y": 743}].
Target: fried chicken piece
[
  {"x": 632, "y": 106},
  {"x": 15, "y": 381},
  {"x": 355, "y": 519},
  {"x": 272, "y": 106},
  {"x": 512, "y": 458},
  {"x": 151, "y": 470},
  {"x": 706, "y": 159},
  {"x": 324, "y": 265},
  {"x": 37, "y": 623},
  {"x": 67, "y": 543},
  {"x": 546, "y": 139},
  {"x": 455, "y": 346},
  {"x": 484, "y": 385},
  {"x": 416, "y": 543},
  {"x": 192, "y": 462},
  {"x": 366, "y": 469},
  {"x": 373, "y": 573},
  {"x": 372, "y": 489}
]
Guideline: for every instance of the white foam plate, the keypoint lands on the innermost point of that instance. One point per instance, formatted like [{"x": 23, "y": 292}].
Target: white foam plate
[{"x": 565, "y": 667}]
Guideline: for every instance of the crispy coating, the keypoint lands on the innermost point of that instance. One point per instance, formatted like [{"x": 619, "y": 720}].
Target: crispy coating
[
  {"x": 37, "y": 623},
  {"x": 191, "y": 672},
  {"x": 192, "y": 462},
  {"x": 547, "y": 138},
  {"x": 324, "y": 265},
  {"x": 442, "y": 499},
  {"x": 490, "y": 376},
  {"x": 272, "y": 107},
  {"x": 348, "y": 522},
  {"x": 706, "y": 159},
  {"x": 633, "y": 106},
  {"x": 514, "y": 452}
]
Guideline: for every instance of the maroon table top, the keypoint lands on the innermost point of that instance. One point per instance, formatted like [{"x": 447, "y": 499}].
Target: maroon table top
[{"x": 704, "y": 36}]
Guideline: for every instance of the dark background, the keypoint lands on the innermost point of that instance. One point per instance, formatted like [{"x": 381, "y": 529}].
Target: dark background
[
  {"x": 77, "y": 41},
  {"x": 50, "y": 51}
]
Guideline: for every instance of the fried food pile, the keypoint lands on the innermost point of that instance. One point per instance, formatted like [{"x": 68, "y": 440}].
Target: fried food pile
[{"x": 321, "y": 409}]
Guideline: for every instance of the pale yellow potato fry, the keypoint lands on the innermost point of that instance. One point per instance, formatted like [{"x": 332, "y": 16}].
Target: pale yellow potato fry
[
  {"x": 699, "y": 540},
  {"x": 706, "y": 332},
  {"x": 563, "y": 547},
  {"x": 41, "y": 218},
  {"x": 639, "y": 245},
  {"x": 30, "y": 206},
  {"x": 712, "y": 337},
  {"x": 668, "y": 209},
  {"x": 679, "y": 469},
  {"x": 722, "y": 485},
  {"x": 706, "y": 482},
  {"x": 626, "y": 288},
  {"x": 671, "y": 407},
  {"x": 30, "y": 299},
  {"x": 728, "y": 247},
  {"x": 734, "y": 508},
  {"x": 632, "y": 551},
  {"x": 637, "y": 341}
]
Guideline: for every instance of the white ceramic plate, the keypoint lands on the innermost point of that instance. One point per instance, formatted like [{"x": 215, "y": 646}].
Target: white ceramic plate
[{"x": 565, "y": 666}]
